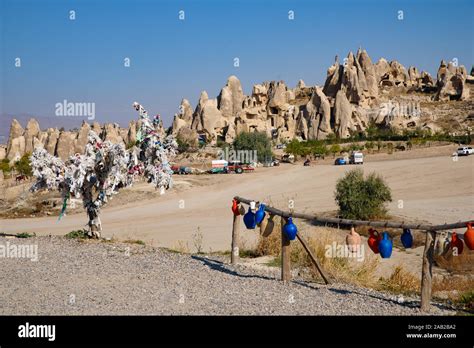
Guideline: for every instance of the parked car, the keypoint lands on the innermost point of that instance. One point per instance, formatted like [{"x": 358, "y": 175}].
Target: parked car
[
  {"x": 281, "y": 146},
  {"x": 340, "y": 161},
  {"x": 288, "y": 158},
  {"x": 465, "y": 151},
  {"x": 356, "y": 157}
]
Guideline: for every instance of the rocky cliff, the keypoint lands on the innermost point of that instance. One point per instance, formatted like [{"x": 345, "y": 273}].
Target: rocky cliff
[{"x": 356, "y": 93}]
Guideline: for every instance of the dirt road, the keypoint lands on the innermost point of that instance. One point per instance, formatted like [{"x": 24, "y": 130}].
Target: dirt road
[{"x": 435, "y": 189}]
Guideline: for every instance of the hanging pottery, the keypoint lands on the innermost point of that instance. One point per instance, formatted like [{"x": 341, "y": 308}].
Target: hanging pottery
[
  {"x": 374, "y": 240},
  {"x": 249, "y": 220},
  {"x": 469, "y": 236},
  {"x": 267, "y": 225},
  {"x": 252, "y": 205},
  {"x": 385, "y": 246},
  {"x": 235, "y": 207},
  {"x": 407, "y": 238},
  {"x": 353, "y": 240},
  {"x": 241, "y": 209},
  {"x": 456, "y": 243},
  {"x": 290, "y": 229},
  {"x": 260, "y": 214}
]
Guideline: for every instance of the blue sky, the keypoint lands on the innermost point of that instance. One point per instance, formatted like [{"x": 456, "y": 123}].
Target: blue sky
[{"x": 83, "y": 60}]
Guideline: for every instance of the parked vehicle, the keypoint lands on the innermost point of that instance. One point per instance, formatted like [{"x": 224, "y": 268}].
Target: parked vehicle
[
  {"x": 288, "y": 158},
  {"x": 217, "y": 170},
  {"x": 238, "y": 168},
  {"x": 281, "y": 146},
  {"x": 465, "y": 151},
  {"x": 356, "y": 157},
  {"x": 307, "y": 163},
  {"x": 340, "y": 161}
]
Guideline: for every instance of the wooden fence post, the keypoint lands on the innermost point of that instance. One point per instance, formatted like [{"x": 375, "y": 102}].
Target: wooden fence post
[
  {"x": 235, "y": 251},
  {"x": 313, "y": 258},
  {"x": 427, "y": 272},
  {"x": 285, "y": 254}
]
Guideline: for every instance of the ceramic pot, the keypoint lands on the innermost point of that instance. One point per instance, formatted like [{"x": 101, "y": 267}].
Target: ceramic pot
[
  {"x": 353, "y": 240},
  {"x": 260, "y": 214},
  {"x": 267, "y": 225},
  {"x": 249, "y": 220},
  {"x": 407, "y": 238},
  {"x": 290, "y": 229},
  {"x": 385, "y": 246},
  {"x": 235, "y": 207},
  {"x": 456, "y": 243},
  {"x": 374, "y": 240},
  {"x": 469, "y": 236}
]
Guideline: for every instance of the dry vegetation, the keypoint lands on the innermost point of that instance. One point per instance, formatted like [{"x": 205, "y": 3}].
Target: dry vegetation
[{"x": 456, "y": 288}]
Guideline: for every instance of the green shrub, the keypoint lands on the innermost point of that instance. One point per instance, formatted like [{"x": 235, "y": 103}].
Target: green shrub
[
  {"x": 362, "y": 198},
  {"x": 251, "y": 141},
  {"x": 335, "y": 149},
  {"x": 23, "y": 165},
  {"x": 25, "y": 235},
  {"x": 77, "y": 234},
  {"x": 5, "y": 166}
]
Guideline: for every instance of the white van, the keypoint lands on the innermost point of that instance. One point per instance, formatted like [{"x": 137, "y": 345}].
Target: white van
[
  {"x": 356, "y": 157},
  {"x": 465, "y": 151}
]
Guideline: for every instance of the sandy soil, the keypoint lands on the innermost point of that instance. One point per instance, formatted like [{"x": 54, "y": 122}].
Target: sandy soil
[{"x": 433, "y": 189}]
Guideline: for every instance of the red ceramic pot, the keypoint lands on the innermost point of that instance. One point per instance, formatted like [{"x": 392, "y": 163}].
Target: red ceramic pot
[
  {"x": 469, "y": 236},
  {"x": 235, "y": 207},
  {"x": 456, "y": 243},
  {"x": 374, "y": 240}
]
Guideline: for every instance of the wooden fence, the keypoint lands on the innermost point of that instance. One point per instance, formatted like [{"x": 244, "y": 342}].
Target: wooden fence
[{"x": 428, "y": 253}]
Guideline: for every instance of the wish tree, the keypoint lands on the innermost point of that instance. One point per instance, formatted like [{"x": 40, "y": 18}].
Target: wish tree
[{"x": 104, "y": 168}]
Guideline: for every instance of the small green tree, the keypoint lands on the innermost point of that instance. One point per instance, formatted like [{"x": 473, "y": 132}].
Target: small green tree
[
  {"x": 334, "y": 149},
  {"x": 362, "y": 198},
  {"x": 5, "y": 166},
  {"x": 23, "y": 165},
  {"x": 251, "y": 141},
  {"x": 369, "y": 145}
]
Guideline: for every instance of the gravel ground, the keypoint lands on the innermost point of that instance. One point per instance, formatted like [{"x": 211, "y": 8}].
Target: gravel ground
[{"x": 74, "y": 277}]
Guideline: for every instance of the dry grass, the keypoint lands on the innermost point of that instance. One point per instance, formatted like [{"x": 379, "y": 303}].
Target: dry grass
[
  {"x": 460, "y": 264},
  {"x": 400, "y": 282},
  {"x": 338, "y": 268}
]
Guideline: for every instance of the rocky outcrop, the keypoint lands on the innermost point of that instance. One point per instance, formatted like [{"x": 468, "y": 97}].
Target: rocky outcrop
[
  {"x": 356, "y": 92},
  {"x": 451, "y": 82},
  {"x": 62, "y": 143}
]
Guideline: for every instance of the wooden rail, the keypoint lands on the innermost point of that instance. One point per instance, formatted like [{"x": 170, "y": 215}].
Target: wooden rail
[{"x": 430, "y": 230}]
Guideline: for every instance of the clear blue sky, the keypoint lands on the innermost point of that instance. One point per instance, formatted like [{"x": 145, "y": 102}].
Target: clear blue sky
[{"x": 82, "y": 60}]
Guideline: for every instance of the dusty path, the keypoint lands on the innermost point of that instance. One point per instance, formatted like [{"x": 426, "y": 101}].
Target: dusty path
[
  {"x": 434, "y": 189},
  {"x": 74, "y": 278}
]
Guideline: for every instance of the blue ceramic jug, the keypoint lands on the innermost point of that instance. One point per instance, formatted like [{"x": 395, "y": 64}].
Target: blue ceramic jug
[
  {"x": 407, "y": 238},
  {"x": 385, "y": 246},
  {"x": 290, "y": 229},
  {"x": 249, "y": 220},
  {"x": 260, "y": 214}
]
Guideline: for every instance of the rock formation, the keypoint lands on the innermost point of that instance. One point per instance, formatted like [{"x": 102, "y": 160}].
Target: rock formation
[
  {"x": 451, "y": 82},
  {"x": 356, "y": 93},
  {"x": 61, "y": 143}
]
